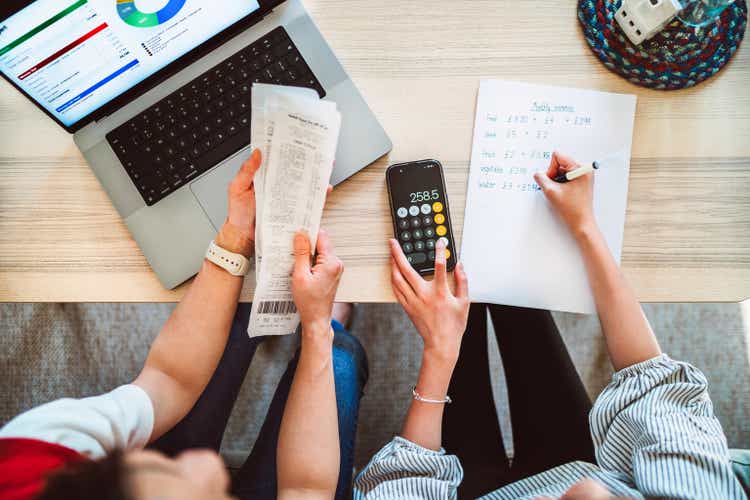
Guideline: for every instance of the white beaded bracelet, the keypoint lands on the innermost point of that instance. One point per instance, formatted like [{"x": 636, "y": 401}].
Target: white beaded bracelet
[{"x": 418, "y": 397}]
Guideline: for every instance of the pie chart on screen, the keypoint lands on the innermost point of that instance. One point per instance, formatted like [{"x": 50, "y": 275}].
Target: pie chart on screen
[{"x": 163, "y": 12}]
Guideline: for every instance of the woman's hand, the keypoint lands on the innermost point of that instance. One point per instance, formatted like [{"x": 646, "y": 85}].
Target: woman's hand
[
  {"x": 307, "y": 455},
  {"x": 238, "y": 233},
  {"x": 626, "y": 329},
  {"x": 574, "y": 200},
  {"x": 314, "y": 288},
  {"x": 439, "y": 315}
]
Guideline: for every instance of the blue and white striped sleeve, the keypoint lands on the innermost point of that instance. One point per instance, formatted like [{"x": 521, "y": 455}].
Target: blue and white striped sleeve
[
  {"x": 405, "y": 470},
  {"x": 654, "y": 424}
]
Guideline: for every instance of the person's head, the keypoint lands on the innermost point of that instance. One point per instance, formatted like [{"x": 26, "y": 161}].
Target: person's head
[{"x": 194, "y": 474}]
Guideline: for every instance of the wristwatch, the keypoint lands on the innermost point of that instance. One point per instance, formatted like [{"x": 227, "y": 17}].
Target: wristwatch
[{"x": 234, "y": 263}]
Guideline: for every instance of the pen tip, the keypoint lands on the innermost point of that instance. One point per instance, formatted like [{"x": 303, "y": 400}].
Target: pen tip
[{"x": 596, "y": 165}]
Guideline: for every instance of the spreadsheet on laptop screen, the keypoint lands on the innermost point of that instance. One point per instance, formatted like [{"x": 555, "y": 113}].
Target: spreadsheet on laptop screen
[{"x": 74, "y": 56}]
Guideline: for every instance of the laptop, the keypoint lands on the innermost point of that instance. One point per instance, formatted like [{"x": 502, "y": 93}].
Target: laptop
[{"x": 157, "y": 96}]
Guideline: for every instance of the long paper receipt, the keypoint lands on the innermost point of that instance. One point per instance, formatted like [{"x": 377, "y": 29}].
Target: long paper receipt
[
  {"x": 515, "y": 248},
  {"x": 297, "y": 134}
]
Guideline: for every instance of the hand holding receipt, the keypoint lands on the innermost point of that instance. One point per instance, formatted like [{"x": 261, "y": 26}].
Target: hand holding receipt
[{"x": 297, "y": 134}]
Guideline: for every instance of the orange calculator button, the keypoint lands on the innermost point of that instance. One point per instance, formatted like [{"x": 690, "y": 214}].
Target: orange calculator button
[
  {"x": 437, "y": 207},
  {"x": 447, "y": 254},
  {"x": 441, "y": 230},
  {"x": 439, "y": 218}
]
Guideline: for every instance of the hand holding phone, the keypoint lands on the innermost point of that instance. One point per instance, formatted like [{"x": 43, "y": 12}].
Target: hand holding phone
[{"x": 420, "y": 212}]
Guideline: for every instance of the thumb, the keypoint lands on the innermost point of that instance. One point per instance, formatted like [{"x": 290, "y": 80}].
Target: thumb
[
  {"x": 244, "y": 178},
  {"x": 462, "y": 282},
  {"x": 544, "y": 182},
  {"x": 301, "y": 252}
]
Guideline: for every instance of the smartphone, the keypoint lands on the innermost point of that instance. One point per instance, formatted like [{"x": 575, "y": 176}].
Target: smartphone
[{"x": 420, "y": 212}]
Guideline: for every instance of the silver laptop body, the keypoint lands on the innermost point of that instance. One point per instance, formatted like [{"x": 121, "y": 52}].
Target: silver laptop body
[{"x": 173, "y": 233}]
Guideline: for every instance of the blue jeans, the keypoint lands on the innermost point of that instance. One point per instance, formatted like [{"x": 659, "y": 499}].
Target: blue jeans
[{"x": 203, "y": 426}]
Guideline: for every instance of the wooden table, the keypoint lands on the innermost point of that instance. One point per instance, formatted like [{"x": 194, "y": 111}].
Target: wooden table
[{"x": 418, "y": 63}]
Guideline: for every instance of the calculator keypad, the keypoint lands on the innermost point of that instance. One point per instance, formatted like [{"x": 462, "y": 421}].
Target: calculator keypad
[{"x": 420, "y": 227}]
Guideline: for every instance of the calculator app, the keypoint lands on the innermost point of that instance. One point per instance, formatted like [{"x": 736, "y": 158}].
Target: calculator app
[{"x": 420, "y": 213}]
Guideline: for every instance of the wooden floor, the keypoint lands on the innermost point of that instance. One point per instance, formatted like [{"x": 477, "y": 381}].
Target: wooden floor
[{"x": 418, "y": 64}]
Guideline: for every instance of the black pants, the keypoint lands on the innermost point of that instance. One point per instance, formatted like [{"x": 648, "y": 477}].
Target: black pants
[{"x": 548, "y": 404}]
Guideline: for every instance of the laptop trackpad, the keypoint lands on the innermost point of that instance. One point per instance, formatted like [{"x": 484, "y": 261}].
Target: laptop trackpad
[{"x": 211, "y": 189}]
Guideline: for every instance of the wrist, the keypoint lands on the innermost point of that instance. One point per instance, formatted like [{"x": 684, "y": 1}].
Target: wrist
[
  {"x": 441, "y": 357},
  {"x": 319, "y": 330},
  {"x": 434, "y": 375},
  {"x": 585, "y": 231},
  {"x": 235, "y": 240},
  {"x": 316, "y": 355},
  {"x": 317, "y": 342},
  {"x": 431, "y": 387}
]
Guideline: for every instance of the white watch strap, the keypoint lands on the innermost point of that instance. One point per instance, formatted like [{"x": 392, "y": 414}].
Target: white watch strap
[{"x": 234, "y": 263}]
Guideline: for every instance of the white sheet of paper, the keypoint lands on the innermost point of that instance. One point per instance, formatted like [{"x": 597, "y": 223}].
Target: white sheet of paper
[
  {"x": 515, "y": 249},
  {"x": 297, "y": 134}
]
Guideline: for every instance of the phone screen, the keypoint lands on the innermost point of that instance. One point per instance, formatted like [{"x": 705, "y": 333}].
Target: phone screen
[{"x": 420, "y": 212}]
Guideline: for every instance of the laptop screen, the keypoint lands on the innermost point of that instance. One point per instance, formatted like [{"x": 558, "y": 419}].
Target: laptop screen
[{"x": 74, "y": 56}]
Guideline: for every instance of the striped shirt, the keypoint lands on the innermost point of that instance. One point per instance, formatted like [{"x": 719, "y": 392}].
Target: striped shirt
[{"x": 654, "y": 431}]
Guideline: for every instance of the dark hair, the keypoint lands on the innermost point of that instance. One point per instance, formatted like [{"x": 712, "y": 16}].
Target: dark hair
[{"x": 88, "y": 480}]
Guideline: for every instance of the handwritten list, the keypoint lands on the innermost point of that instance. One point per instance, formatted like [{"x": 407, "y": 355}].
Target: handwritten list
[
  {"x": 516, "y": 143},
  {"x": 517, "y": 127}
]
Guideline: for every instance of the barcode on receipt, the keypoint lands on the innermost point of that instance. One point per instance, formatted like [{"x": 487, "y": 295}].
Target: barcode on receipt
[{"x": 276, "y": 307}]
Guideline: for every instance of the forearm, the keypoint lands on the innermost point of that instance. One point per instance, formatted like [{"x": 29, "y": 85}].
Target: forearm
[
  {"x": 184, "y": 355},
  {"x": 627, "y": 332},
  {"x": 191, "y": 342},
  {"x": 424, "y": 421},
  {"x": 308, "y": 449}
]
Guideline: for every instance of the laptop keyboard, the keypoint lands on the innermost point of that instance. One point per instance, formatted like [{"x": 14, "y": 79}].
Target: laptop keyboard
[{"x": 206, "y": 120}]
